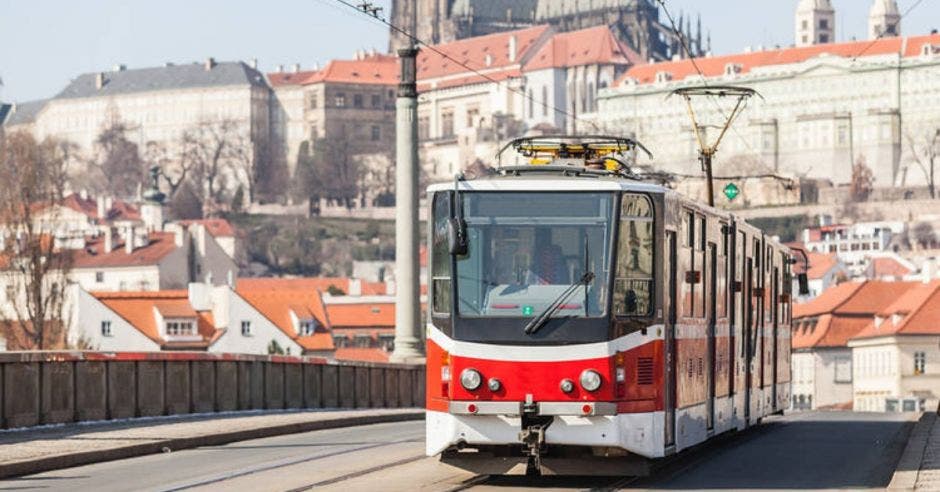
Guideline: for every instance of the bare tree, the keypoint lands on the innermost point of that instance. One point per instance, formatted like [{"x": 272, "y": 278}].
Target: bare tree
[
  {"x": 34, "y": 180},
  {"x": 214, "y": 153},
  {"x": 924, "y": 151},
  {"x": 862, "y": 180},
  {"x": 328, "y": 169},
  {"x": 117, "y": 161}
]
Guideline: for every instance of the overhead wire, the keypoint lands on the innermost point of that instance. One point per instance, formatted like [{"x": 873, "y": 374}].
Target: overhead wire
[
  {"x": 373, "y": 14},
  {"x": 885, "y": 29},
  {"x": 688, "y": 52}
]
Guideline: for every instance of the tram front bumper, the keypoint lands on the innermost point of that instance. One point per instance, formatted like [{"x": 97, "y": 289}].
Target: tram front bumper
[
  {"x": 638, "y": 433},
  {"x": 514, "y": 409}
]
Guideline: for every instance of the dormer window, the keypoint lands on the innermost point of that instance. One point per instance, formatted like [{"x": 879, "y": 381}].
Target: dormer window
[
  {"x": 663, "y": 77},
  {"x": 180, "y": 327},
  {"x": 732, "y": 69},
  {"x": 307, "y": 327}
]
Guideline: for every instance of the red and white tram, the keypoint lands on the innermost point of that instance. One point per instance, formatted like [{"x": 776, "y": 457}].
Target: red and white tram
[{"x": 582, "y": 321}]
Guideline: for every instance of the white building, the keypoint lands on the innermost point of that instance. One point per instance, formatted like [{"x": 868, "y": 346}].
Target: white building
[
  {"x": 815, "y": 22},
  {"x": 823, "y": 108},
  {"x": 535, "y": 80},
  {"x": 896, "y": 357},
  {"x": 853, "y": 244},
  {"x": 158, "y": 104},
  {"x": 203, "y": 317},
  {"x": 821, "y": 357}
]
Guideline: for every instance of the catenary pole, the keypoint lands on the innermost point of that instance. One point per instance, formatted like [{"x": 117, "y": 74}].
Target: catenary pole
[{"x": 408, "y": 346}]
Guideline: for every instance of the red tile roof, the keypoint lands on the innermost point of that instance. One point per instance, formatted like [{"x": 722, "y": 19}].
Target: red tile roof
[
  {"x": 715, "y": 66},
  {"x": 594, "y": 45},
  {"x": 365, "y": 315},
  {"x": 819, "y": 264},
  {"x": 137, "y": 308},
  {"x": 215, "y": 227},
  {"x": 887, "y": 267},
  {"x": 120, "y": 209},
  {"x": 275, "y": 299},
  {"x": 94, "y": 256},
  {"x": 361, "y": 354},
  {"x": 474, "y": 52},
  {"x": 375, "y": 69},
  {"x": 841, "y": 312},
  {"x": 917, "y": 312}
]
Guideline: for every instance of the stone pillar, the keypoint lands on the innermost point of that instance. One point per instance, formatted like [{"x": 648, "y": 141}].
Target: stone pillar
[{"x": 407, "y": 310}]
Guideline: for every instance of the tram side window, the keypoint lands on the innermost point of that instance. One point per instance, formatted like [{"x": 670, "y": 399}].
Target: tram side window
[
  {"x": 633, "y": 286},
  {"x": 440, "y": 256}
]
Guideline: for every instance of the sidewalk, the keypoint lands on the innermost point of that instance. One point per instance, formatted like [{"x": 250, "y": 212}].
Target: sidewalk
[
  {"x": 41, "y": 449},
  {"x": 919, "y": 466}
]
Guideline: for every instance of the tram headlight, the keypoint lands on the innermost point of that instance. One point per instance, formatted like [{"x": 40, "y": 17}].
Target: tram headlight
[
  {"x": 494, "y": 384},
  {"x": 470, "y": 379},
  {"x": 567, "y": 385},
  {"x": 590, "y": 380}
]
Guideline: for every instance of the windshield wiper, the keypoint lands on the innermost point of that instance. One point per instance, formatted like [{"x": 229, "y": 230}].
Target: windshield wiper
[{"x": 536, "y": 323}]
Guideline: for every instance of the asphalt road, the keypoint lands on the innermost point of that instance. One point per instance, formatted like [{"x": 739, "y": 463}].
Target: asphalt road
[{"x": 799, "y": 451}]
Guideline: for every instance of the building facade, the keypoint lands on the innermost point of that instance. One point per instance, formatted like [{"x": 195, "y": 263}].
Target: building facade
[
  {"x": 824, "y": 108},
  {"x": 896, "y": 357},
  {"x": 821, "y": 356},
  {"x": 637, "y": 23}
]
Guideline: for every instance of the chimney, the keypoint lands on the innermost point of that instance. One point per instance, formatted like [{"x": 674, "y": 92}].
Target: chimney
[
  {"x": 280, "y": 68},
  {"x": 253, "y": 63},
  {"x": 210, "y": 62},
  {"x": 178, "y": 236},
  {"x": 119, "y": 67},
  {"x": 200, "y": 296},
  {"x": 512, "y": 48},
  {"x": 295, "y": 68},
  {"x": 167, "y": 64},
  {"x": 316, "y": 66},
  {"x": 129, "y": 240},
  {"x": 102, "y": 212},
  {"x": 108, "y": 239},
  {"x": 83, "y": 194},
  {"x": 488, "y": 59},
  {"x": 99, "y": 80},
  {"x": 355, "y": 287}
]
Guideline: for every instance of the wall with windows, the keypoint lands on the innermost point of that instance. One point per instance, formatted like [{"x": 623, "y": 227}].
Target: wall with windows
[
  {"x": 137, "y": 278},
  {"x": 890, "y": 369},
  {"x": 234, "y": 312},
  {"x": 813, "y": 118},
  {"x": 94, "y": 325}
]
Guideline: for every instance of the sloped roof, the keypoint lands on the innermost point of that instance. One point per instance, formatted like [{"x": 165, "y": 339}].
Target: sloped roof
[
  {"x": 215, "y": 227},
  {"x": 473, "y": 53},
  {"x": 917, "y": 312},
  {"x": 186, "y": 76},
  {"x": 819, "y": 264},
  {"x": 594, "y": 45},
  {"x": 120, "y": 209},
  {"x": 361, "y": 354},
  {"x": 137, "y": 308},
  {"x": 362, "y": 315},
  {"x": 25, "y": 112},
  {"x": 842, "y": 312},
  {"x": 276, "y": 298},
  {"x": 886, "y": 266},
  {"x": 378, "y": 69},
  {"x": 94, "y": 256},
  {"x": 715, "y": 66}
]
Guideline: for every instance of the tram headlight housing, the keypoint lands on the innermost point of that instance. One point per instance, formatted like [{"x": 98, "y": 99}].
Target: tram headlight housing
[
  {"x": 590, "y": 380},
  {"x": 470, "y": 379}
]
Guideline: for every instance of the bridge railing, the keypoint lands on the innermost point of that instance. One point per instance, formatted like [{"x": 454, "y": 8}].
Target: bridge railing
[{"x": 60, "y": 387}]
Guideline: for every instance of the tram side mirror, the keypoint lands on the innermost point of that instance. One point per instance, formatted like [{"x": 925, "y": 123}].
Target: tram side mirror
[
  {"x": 802, "y": 284},
  {"x": 457, "y": 236}
]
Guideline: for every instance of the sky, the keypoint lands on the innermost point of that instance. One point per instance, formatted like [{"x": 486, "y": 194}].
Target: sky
[{"x": 46, "y": 43}]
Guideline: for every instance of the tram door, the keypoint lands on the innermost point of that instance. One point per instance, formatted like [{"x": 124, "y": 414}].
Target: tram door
[
  {"x": 670, "y": 338},
  {"x": 748, "y": 329},
  {"x": 774, "y": 297},
  {"x": 711, "y": 296}
]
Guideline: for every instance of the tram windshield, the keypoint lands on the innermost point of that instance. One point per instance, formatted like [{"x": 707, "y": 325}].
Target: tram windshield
[{"x": 527, "y": 249}]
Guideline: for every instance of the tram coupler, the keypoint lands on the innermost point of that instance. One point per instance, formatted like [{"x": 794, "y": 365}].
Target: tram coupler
[{"x": 532, "y": 435}]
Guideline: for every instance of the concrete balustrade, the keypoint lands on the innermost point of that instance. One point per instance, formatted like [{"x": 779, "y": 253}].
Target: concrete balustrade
[{"x": 60, "y": 387}]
